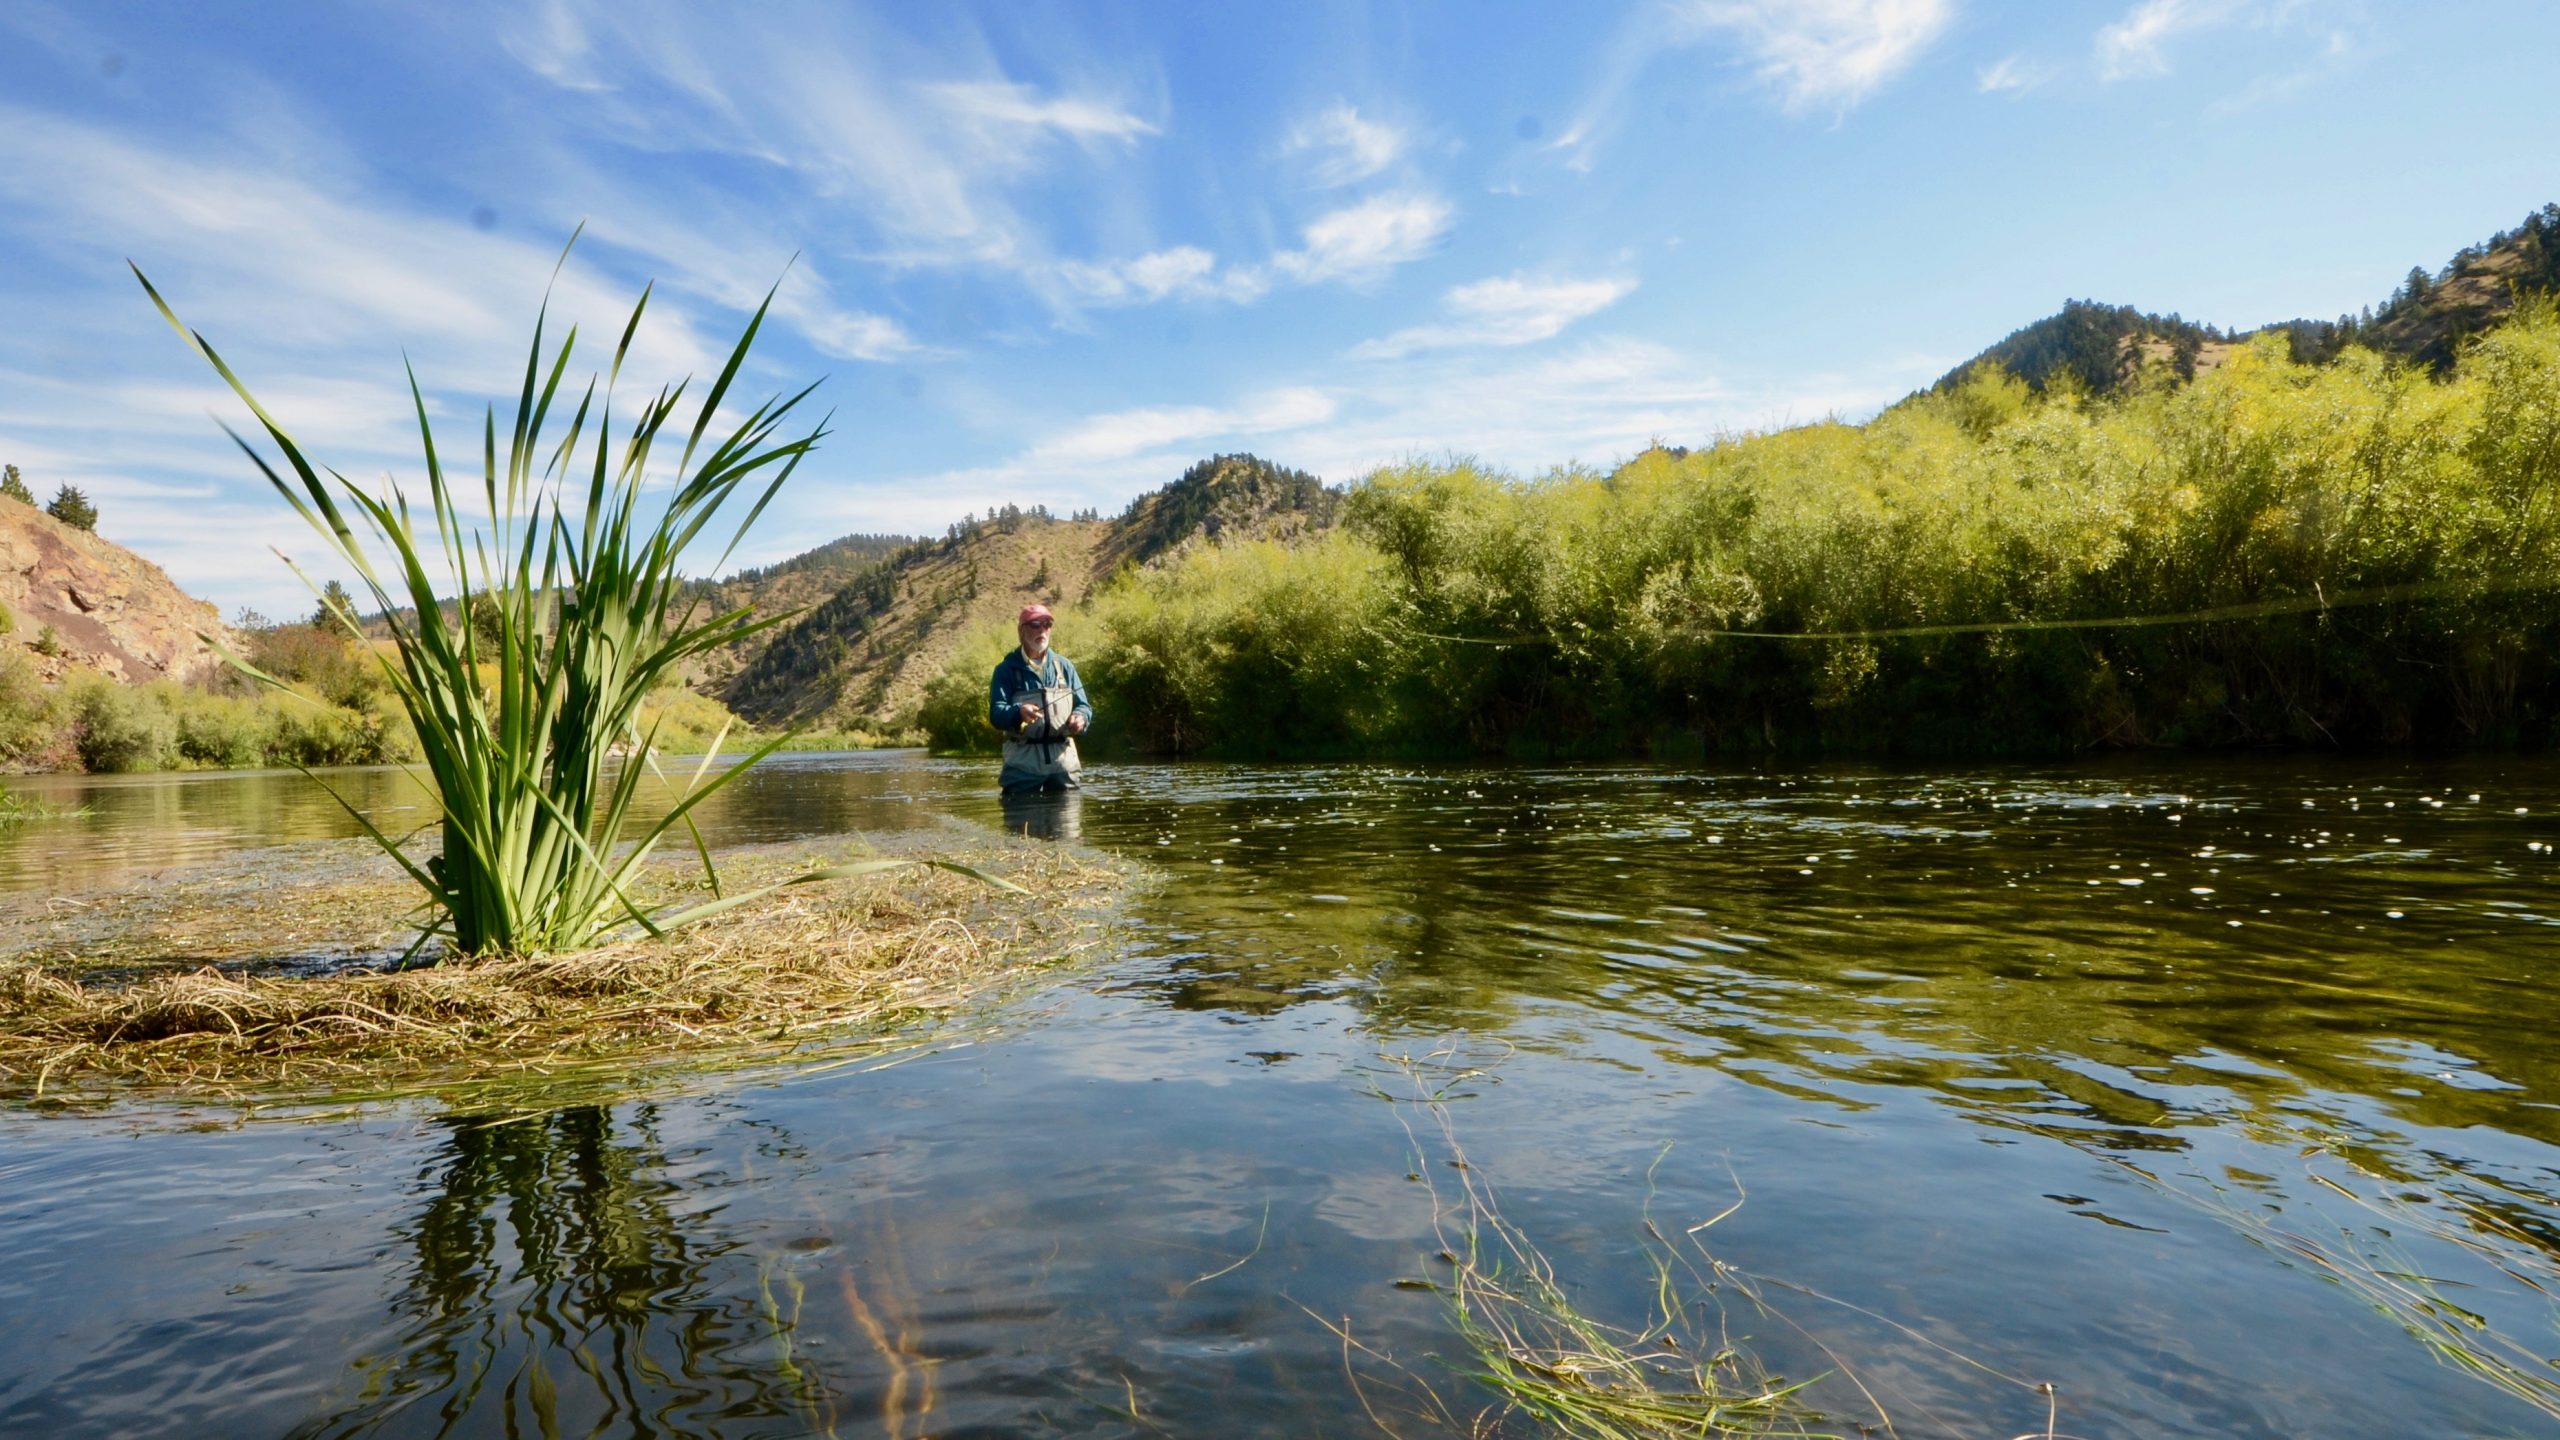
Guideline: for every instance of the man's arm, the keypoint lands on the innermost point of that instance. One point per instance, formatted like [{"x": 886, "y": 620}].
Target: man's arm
[{"x": 1002, "y": 713}]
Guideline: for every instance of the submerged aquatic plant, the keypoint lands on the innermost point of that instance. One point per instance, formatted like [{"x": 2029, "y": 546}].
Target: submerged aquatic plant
[
  {"x": 523, "y": 653},
  {"x": 17, "y": 809}
]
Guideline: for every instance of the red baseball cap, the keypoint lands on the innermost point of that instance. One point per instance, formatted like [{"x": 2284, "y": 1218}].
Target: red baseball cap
[{"x": 1034, "y": 612}]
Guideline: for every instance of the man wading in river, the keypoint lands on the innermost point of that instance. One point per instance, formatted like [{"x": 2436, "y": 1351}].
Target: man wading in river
[{"x": 1037, "y": 700}]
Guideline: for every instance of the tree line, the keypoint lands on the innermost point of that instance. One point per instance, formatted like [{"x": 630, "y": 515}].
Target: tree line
[
  {"x": 2278, "y": 553},
  {"x": 70, "y": 504}
]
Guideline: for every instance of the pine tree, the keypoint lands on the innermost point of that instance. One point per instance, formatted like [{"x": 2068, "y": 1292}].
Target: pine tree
[
  {"x": 15, "y": 488},
  {"x": 334, "y": 602},
  {"x": 73, "y": 509}
]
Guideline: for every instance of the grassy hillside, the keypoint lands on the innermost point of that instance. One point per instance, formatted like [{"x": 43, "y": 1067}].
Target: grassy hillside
[
  {"x": 864, "y": 655},
  {"x": 799, "y": 583}
]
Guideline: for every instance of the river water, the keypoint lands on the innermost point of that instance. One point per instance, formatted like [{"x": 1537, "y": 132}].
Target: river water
[{"x": 2202, "y": 1092}]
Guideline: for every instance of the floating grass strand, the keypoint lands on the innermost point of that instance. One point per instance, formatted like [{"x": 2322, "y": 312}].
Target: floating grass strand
[
  {"x": 1677, "y": 1374},
  {"x": 523, "y": 651}
]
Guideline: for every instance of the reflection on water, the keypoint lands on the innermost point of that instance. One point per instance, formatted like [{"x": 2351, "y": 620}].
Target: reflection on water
[
  {"x": 560, "y": 1281},
  {"x": 137, "y": 825},
  {"x": 1045, "y": 815},
  {"x": 2107, "y": 1076}
]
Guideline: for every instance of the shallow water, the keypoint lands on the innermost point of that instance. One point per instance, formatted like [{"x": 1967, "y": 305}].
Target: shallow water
[{"x": 2047, "y": 1066}]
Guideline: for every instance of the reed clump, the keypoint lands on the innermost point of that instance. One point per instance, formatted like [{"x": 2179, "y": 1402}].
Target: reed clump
[
  {"x": 523, "y": 647},
  {"x": 796, "y": 964}
]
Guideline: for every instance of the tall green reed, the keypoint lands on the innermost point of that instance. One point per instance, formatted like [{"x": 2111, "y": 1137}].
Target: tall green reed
[{"x": 516, "y": 726}]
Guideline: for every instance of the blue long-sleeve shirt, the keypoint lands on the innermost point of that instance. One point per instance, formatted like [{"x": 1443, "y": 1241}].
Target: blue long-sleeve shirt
[{"x": 1015, "y": 680}]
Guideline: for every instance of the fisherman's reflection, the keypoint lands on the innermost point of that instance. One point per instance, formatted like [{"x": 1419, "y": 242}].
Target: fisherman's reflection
[{"x": 1045, "y": 815}]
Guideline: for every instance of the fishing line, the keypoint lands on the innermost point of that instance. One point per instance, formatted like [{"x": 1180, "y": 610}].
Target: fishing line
[{"x": 2318, "y": 600}]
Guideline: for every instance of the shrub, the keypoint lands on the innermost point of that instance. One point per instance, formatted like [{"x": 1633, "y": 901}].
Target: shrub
[
  {"x": 29, "y": 716},
  {"x": 953, "y": 713},
  {"x": 47, "y": 643},
  {"x": 325, "y": 661},
  {"x": 223, "y": 732},
  {"x": 121, "y": 729}
]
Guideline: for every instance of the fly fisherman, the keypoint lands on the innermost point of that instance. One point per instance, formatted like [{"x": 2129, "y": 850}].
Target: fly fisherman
[{"x": 1038, "y": 701}]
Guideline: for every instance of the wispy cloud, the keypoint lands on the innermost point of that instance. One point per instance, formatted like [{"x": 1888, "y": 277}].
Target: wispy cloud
[
  {"x": 257, "y": 252},
  {"x": 1824, "y": 53},
  {"x": 917, "y": 156},
  {"x": 1816, "y": 54},
  {"x": 2011, "y": 74},
  {"x": 1363, "y": 241},
  {"x": 2138, "y": 43},
  {"x": 1596, "y": 402},
  {"x": 1184, "y": 272},
  {"x": 1005, "y": 103},
  {"x": 2337, "y": 54},
  {"x": 1502, "y": 311},
  {"x": 1136, "y": 432},
  {"x": 1339, "y": 146}
]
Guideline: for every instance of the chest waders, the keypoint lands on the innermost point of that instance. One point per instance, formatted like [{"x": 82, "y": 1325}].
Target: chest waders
[{"x": 1043, "y": 756}]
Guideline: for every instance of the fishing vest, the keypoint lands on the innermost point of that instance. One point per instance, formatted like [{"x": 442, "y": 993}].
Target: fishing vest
[{"x": 1044, "y": 753}]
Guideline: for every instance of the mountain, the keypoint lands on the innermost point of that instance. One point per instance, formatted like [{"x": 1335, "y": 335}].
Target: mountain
[
  {"x": 866, "y": 653},
  {"x": 2103, "y": 348},
  {"x": 2106, "y": 348},
  {"x": 103, "y": 606},
  {"x": 803, "y": 581}
]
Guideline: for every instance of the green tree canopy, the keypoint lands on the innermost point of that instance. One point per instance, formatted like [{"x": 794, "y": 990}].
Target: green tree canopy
[
  {"x": 72, "y": 508},
  {"x": 334, "y": 602},
  {"x": 14, "y": 487}
]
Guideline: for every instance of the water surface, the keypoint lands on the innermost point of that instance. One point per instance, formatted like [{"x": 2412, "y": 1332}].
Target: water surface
[{"x": 2053, "y": 1067}]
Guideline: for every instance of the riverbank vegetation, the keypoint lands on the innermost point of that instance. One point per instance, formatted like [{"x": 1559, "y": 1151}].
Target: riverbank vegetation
[
  {"x": 330, "y": 709},
  {"x": 2360, "y": 552},
  {"x": 270, "y": 975}
]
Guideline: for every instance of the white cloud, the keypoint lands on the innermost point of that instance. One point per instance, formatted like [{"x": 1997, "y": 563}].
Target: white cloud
[
  {"x": 1136, "y": 432},
  {"x": 1504, "y": 310},
  {"x": 1012, "y": 104},
  {"x": 1597, "y": 402},
  {"x": 1815, "y": 53},
  {"x": 2138, "y": 43},
  {"x": 1825, "y": 52},
  {"x": 855, "y": 335},
  {"x": 912, "y": 152},
  {"x": 2011, "y": 74},
  {"x": 1184, "y": 272},
  {"x": 1339, "y": 146},
  {"x": 1367, "y": 239}
]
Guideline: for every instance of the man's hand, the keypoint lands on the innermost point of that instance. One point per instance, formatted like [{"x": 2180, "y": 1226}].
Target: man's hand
[
  {"x": 1075, "y": 725},
  {"x": 1030, "y": 714}
]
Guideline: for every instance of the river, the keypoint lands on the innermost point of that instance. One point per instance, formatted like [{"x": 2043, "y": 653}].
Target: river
[{"x": 2163, "y": 1083}]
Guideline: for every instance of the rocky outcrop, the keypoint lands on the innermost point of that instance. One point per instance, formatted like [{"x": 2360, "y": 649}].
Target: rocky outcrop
[{"x": 109, "y": 609}]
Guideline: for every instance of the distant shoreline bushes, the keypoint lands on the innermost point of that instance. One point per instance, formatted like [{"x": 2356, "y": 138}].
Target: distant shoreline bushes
[
  {"x": 1459, "y": 611},
  {"x": 334, "y": 713}
]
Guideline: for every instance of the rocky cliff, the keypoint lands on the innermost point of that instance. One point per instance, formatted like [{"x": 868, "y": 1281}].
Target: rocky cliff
[{"x": 108, "y": 608}]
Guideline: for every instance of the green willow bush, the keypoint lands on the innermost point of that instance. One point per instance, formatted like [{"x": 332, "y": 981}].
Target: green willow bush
[
  {"x": 2275, "y": 553},
  {"x": 515, "y": 719}
]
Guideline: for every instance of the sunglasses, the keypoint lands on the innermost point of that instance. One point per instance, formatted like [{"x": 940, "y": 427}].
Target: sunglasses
[{"x": 1038, "y": 624}]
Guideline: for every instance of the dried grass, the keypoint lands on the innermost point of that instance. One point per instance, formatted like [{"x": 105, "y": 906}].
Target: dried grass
[{"x": 806, "y": 961}]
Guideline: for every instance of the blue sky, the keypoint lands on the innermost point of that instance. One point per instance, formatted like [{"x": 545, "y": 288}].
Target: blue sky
[{"x": 1051, "y": 254}]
